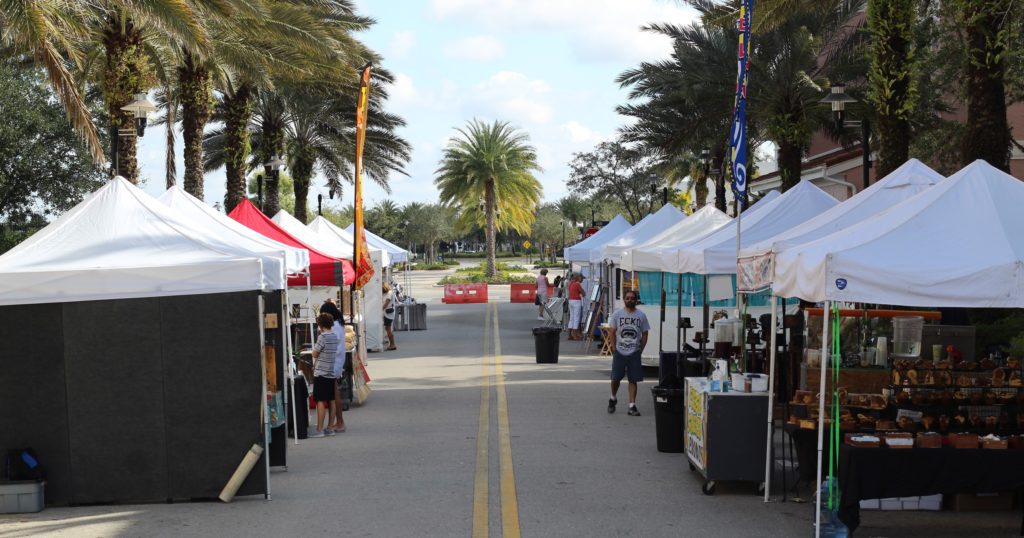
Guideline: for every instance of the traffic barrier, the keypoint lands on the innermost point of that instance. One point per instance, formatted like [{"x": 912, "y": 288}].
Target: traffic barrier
[
  {"x": 524, "y": 292},
  {"x": 464, "y": 293}
]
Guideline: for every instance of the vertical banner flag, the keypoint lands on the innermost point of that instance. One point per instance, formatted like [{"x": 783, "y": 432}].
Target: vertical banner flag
[
  {"x": 738, "y": 133},
  {"x": 361, "y": 256}
]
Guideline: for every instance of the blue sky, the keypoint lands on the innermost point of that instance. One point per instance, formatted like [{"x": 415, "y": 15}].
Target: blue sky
[{"x": 546, "y": 66}]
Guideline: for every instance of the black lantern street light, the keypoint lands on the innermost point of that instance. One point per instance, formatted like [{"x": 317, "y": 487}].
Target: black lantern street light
[
  {"x": 320, "y": 205},
  {"x": 655, "y": 181},
  {"x": 140, "y": 108},
  {"x": 838, "y": 98}
]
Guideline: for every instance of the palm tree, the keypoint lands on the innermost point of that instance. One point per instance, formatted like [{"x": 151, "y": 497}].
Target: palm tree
[
  {"x": 573, "y": 209},
  {"x": 490, "y": 165},
  {"x": 892, "y": 88}
]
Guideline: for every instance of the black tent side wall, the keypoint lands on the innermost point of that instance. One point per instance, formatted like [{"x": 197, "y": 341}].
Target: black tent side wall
[
  {"x": 115, "y": 400},
  {"x": 33, "y": 401},
  {"x": 134, "y": 399},
  {"x": 213, "y": 371}
]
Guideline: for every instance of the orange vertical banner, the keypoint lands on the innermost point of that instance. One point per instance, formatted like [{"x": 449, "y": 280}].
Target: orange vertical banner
[{"x": 361, "y": 255}]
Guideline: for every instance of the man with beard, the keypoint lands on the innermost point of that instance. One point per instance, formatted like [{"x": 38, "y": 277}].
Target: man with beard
[{"x": 628, "y": 329}]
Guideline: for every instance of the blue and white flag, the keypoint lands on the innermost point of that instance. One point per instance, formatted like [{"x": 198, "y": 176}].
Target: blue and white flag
[{"x": 738, "y": 131}]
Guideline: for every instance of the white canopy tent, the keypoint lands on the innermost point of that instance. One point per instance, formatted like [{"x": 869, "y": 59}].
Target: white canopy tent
[
  {"x": 334, "y": 245},
  {"x": 121, "y": 243},
  {"x": 580, "y": 252},
  {"x": 716, "y": 253},
  {"x": 904, "y": 182},
  {"x": 964, "y": 230},
  {"x": 393, "y": 252},
  {"x": 209, "y": 222},
  {"x": 956, "y": 244},
  {"x": 613, "y": 251},
  {"x": 323, "y": 226},
  {"x": 647, "y": 256}
]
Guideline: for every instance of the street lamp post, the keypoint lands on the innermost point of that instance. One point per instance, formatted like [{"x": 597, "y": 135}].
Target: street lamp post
[
  {"x": 320, "y": 205},
  {"x": 140, "y": 108},
  {"x": 838, "y": 98},
  {"x": 272, "y": 170}
]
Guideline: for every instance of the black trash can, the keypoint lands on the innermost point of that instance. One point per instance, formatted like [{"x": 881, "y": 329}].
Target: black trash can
[
  {"x": 670, "y": 418},
  {"x": 691, "y": 367},
  {"x": 545, "y": 341}
]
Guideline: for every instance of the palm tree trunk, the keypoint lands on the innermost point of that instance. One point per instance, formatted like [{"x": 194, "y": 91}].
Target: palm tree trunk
[
  {"x": 301, "y": 175},
  {"x": 489, "y": 208},
  {"x": 170, "y": 164},
  {"x": 273, "y": 135},
  {"x": 987, "y": 136},
  {"x": 789, "y": 164},
  {"x": 237, "y": 114},
  {"x": 122, "y": 79},
  {"x": 195, "y": 93},
  {"x": 890, "y": 86},
  {"x": 720, "y": 180}
]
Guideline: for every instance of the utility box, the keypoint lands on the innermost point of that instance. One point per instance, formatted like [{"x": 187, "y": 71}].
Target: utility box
[{"x": 21, "y": 497}]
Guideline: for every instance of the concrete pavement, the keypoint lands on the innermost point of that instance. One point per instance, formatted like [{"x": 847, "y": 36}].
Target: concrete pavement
[{"x": 408, "y": 463}]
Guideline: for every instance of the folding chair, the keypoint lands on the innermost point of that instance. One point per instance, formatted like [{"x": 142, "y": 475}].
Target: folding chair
[{"x": 553, "y": 311}]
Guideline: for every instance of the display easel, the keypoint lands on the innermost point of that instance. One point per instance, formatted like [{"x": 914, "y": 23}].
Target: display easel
[{"x": 594, "y": 311}]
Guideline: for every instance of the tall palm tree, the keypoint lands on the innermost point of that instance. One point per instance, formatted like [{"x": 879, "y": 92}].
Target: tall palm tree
[
  {"x": 493, "y": 164},
  {"x": 892, "y": 88}
]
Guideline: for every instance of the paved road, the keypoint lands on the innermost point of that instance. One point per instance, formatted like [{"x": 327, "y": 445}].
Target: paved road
[{"x": 421, "y": 459}]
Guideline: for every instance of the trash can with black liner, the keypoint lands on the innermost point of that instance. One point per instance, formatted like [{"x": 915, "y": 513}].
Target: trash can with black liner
[
  {"x": 545, "y": 341},
  {"x": 670, "y": 418}
]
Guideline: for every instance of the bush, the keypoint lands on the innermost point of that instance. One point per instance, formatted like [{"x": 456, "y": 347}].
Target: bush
[
  {"x": 433, "y": 266},
  {"x": 498, "y": 266},
  {"x": 500, "y": 254},
  {"x": 479, "y": 278},
  {"x": 541, "y": 265}
]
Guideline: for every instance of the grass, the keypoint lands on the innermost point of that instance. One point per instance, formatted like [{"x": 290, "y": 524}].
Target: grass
[{"x": 434, "y": 266}]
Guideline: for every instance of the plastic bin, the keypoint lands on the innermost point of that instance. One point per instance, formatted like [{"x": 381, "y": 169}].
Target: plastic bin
[
  {"x": 21, "y": 497},
  {"x": 668, "y": 370},
  {"x": 906, "y": 336},
  {"x": 670, "y": 418},
  {"x": 545, "y": 341}
]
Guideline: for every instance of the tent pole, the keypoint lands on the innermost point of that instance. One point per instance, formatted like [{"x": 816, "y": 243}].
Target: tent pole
[
  {"x": 661, "y": 321},
  {"x": 679, "y": 320},
  {"x": 263, "y": 395},
  {"x": 771, "y": 402},
  {"x": 825, "y": 356},
  {"x": 289, "y": 361}
]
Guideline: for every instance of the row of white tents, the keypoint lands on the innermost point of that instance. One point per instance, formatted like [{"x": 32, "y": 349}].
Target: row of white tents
[{"x": 913, "y": 239}]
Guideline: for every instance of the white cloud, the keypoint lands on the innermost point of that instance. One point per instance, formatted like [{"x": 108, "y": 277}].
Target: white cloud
[
  {"x": 403, "y": 91},
  {"x": 401, "y": 44},
  {"x": 478, "y": 48},
  {"x": 599, "y": 30},
  {"x": 579, "y": 133},
  {"x": 513, "y": 97}
]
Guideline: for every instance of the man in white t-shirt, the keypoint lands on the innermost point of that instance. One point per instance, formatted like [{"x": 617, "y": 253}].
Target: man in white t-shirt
[{"x": 627, "y": 328}]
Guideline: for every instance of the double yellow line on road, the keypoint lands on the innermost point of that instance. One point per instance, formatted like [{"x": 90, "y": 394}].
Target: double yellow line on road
[{"x": 481, "y": 482}]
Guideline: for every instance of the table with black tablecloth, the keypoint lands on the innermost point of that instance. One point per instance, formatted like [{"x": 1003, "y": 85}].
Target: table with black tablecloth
[{"x": 878, "y": 473}]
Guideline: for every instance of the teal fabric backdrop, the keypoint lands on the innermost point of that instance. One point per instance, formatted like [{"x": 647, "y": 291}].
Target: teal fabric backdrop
[{"x": 693, "y": 291}]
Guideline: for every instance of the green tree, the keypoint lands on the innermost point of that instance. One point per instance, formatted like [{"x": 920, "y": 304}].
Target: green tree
[
  {"x": 427, "y": 224},
  {"x": 46, "y": 168},
  {"x": 617, "y": 172},
  {"x": 546, "y": 234},
  {"x": 284, "y": 195},
  {"x": 490, "y": 165},
  {"x": 892, "y": 88},
  {"x": 385, "y": 219},
  {"x": 574, "y": 209}
]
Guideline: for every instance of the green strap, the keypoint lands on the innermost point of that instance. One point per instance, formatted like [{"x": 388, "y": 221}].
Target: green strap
[{"x": 833, "y": 453}]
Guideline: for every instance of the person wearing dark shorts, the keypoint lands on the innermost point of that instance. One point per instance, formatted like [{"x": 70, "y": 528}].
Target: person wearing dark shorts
[
  {"x": 325, "y": 352},
  {"x": 627, "y": 328},
  {"x": 389, "y": 315}
]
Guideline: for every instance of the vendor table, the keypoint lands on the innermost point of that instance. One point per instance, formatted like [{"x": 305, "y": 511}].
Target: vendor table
[
  {"x": 878, "y": 473},
  {"x": 725, "y": 433},
  {"x": 805, "y": 444}
]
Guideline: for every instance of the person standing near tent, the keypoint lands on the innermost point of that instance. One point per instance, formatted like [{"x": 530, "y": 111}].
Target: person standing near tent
[
  {"x": 542, "y": 293},
  {"x": 627, "y": 328},
  {"x": 389, "y": 315},
  {"x": 325, "y": 353},
  {"x": 575, "y": 306}
]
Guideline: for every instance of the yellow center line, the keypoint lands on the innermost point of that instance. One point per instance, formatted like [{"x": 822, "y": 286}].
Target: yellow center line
[
  {"x": 481, "y": 481},
  {"x": 509, "y": 501}
]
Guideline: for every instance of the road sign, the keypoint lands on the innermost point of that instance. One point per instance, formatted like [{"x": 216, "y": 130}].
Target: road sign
[
  {"x": 589, "y": 232},
  {"x": 526, "y": 244}
]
